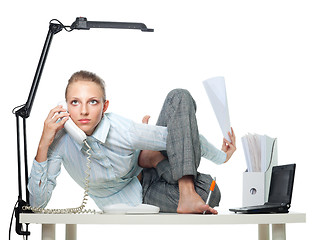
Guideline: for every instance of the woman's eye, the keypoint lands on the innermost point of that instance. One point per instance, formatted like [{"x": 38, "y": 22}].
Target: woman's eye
[
  {"x": 74, "y": 102},
  {"x": 92, "y": 102}
]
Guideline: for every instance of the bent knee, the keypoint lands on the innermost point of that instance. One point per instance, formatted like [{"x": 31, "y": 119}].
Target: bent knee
[
  {"x": 180, "y": 92},
  {"x": 183, "y": 95}
]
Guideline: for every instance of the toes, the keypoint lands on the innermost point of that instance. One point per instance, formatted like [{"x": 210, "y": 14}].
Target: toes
[
  {"x": 211, "y": 210},
  {"x": 145, "y": 119}
]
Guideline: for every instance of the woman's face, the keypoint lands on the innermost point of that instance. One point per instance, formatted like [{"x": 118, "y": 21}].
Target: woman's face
[{"x": 86, "y": 105}]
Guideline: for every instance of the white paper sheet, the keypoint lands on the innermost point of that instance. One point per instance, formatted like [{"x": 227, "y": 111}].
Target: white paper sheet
[
  {"x": 216, "y": 91},
  {"x": 247, "y": 154},
  {"x": 258, "y": 151}
]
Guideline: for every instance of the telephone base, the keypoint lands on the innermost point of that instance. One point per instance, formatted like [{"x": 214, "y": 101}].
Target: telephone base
[{"x": 122, "y": 208}]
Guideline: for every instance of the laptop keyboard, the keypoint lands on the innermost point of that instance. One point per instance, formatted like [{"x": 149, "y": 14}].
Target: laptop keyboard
[{"x": 268, "y": 205}]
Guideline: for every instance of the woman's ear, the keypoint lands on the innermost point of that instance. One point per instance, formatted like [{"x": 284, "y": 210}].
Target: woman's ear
[{"x": 106, "y": 103}]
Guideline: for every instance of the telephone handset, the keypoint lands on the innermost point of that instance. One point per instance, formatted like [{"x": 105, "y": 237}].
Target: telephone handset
[{"x": 74, "y": 131}]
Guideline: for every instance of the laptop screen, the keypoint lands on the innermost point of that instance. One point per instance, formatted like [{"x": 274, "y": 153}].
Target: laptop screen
[{"x": 282, "y": 184}]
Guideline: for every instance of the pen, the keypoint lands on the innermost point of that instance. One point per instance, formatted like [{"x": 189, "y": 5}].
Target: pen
[{"x": 213, "y": 184}]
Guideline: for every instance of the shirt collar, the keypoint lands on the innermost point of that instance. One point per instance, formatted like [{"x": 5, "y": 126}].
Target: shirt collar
[{"x": 102, "y": 129}]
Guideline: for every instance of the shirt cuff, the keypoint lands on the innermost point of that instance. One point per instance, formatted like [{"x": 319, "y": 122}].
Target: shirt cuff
[
  {"x": 211, "y": 153},
  {"x": 224, "y": 156}
]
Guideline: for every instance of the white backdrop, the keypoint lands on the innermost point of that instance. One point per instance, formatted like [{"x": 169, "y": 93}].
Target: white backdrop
[{"x": 271, "y": 54}]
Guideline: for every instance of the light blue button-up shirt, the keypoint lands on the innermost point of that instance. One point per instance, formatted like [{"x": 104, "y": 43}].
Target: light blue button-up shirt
[{"x": 115, "y": 144}]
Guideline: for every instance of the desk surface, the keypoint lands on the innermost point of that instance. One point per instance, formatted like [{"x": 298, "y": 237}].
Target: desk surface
[{"x": 163, "y": 218}]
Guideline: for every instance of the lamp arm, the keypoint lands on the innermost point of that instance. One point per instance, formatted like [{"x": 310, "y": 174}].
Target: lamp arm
[
  {"x": 24, "y": 113},
  {"x": 25, "y": 110}
]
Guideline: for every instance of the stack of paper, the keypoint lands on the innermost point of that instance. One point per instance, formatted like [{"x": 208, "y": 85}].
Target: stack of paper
[
  {"x": 216, "y": 91},
  {"x": 258, "y": 151}
]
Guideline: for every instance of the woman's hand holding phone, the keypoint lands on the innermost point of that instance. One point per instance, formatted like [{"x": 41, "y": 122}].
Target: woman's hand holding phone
[{"x": 51, "y": 127}]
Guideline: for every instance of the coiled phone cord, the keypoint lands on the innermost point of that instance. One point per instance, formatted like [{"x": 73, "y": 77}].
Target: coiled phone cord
[{"x": 80, "y": 209}]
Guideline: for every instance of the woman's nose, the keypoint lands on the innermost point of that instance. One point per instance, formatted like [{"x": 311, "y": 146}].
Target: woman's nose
[{"x": 84, "y": 109}]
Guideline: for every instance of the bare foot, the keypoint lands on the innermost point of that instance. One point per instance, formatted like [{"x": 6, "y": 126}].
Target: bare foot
[
  {"x": 148, "y": 158},
  {"x": 193, "y": 203},
  {"x": 189, "y": 200}
]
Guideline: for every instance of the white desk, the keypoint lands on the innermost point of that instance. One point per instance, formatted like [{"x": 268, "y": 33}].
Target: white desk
[{"x": 278, "y": 221}]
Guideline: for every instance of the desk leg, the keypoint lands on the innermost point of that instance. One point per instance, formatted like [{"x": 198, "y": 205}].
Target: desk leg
[
  {"x": 71, "y": 231},
  {"x": 263, "y": 232},
  {"x": 48, "y": 231},
  {"x": 278, "y": 231}
]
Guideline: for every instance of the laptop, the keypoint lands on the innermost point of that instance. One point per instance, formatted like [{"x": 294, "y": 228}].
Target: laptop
[{"x": 280, "y": 192}]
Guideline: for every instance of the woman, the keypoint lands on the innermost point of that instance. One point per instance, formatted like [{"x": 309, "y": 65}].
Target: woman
[{"x": 116, "y": 143}]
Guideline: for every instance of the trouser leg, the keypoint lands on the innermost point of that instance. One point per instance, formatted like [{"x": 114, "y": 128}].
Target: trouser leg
[
  {"x": 183, "y": 155},
  {"x": 183, "y": 144}
]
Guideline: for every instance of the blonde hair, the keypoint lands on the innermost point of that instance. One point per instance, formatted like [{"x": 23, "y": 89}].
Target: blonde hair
[{"x": 86, "y": 76}]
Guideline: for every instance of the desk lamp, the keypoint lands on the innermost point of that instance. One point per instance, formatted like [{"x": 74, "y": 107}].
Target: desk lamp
[{"x": 23, "y": 111}]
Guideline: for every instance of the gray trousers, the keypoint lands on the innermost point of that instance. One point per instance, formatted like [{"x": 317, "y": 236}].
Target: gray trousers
[{"x": 183, "y": 155}]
